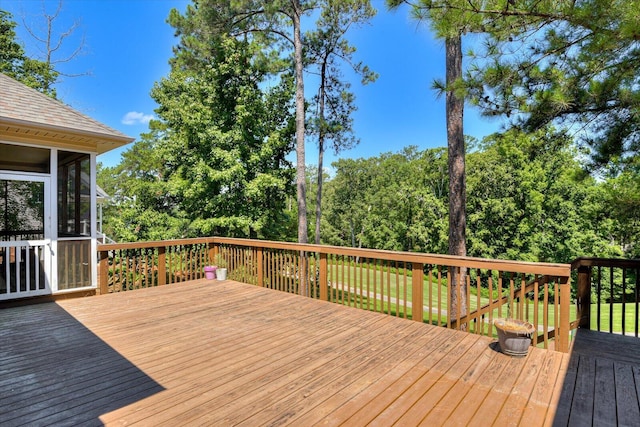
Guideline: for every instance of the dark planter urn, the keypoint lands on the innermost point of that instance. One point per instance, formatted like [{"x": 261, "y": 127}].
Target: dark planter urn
[{"x": 514, "y": 336}]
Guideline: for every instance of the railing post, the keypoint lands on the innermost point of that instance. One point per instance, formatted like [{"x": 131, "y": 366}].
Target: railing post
[
  {"x": 324, "y": 288},
  {"x": 162, "y": 266},
  {"x": 303, "y": 275},
  {"x": 584, "y": 297},
  {"x": 260, "y": 266},
  {"x": 210, "y": 253},
  {"x": 103, "y": 279},
  {"x": 213, "y": 252},
  {"x": 417, "y": 292},
  {"x": 563, "y": 329}
]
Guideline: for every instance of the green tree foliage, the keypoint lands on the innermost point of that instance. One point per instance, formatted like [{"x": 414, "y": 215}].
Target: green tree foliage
[
  {"x": 571, "y": 63},
  {"x": 275, "y": 25},
  {"x": 389, "y": 202},
  {"x": 225, "y": 128},
  {"x": 142, "y": 205},
  {"x": 621, "y": 211},
  {"x": 14, "y": 63},
  {"x": 214, "y": 163},
  {"x": 528, "y": 199}
]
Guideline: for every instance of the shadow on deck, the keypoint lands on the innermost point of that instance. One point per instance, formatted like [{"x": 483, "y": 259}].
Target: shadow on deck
[
  {"x": 227, "y": 353},
  {"x": 602, "y": 382},
  {"x": 55, "y": 371}
]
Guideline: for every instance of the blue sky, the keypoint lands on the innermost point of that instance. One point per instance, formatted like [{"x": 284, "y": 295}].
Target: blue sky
[{"x": 128, "y": 44}]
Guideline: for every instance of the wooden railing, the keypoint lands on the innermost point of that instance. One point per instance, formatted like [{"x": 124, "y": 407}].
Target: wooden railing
[
  {"x": 129, "y": 266},
  {"x": 608, "y": 294},
  {"x": 404, "y": 284}
]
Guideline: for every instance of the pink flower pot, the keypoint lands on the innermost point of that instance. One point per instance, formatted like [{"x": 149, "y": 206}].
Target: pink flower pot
[{"x": 210, "y": 272}]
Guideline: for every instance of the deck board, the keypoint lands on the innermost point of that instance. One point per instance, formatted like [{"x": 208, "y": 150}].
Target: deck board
[
  {"x": 604, "y": 407},
  {"x": 626, "y": 404},
  {"x": 469, "y": 403},
  {"x": 227, "y": 353}
]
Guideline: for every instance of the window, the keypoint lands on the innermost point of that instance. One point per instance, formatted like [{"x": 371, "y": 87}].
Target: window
[{"x": 74, "y": 194}]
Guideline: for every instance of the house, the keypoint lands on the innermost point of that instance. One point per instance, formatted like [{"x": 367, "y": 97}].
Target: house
[{"x": 48, "y": 193}]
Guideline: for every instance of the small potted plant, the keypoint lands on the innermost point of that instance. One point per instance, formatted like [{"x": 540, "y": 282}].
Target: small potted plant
[
  {"x": 514, "y": 335},
  {"x": 221, "y": 271}
]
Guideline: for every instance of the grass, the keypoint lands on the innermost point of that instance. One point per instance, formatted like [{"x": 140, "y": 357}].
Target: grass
[{"x": 614, "y": 311}]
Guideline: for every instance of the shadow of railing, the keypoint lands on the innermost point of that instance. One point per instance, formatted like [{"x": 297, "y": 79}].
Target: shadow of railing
[{"x": 53, "y": 370}]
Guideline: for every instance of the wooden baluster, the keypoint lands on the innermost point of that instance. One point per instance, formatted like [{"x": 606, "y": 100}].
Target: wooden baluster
[
  {"x": 162, "y": 266},
  {"x": 388, "y": 264},
  {"x": 523, "y": 297},
  {"x": 611, "y": 293},
  {"x": 405, "y": 290},
  {"x": 556, "y": 307},
  {"x": 370, "y": 299},
  {"x": 512, "y": 300},
  {"x": 340, "y": 278},
  {"x": 467, "y": 279},
  {"x": 536, "y": 306},
  {"x": 624, "y": 300},
  {"x": 637, "y": 301},
  {"x": 599, "y": 296}
]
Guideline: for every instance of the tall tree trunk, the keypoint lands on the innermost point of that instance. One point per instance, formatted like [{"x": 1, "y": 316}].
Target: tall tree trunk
[
  {"x": 457, "y": 185},
  {"x": 319, "y": 195},
  {"x": 300, "y": 166},
  {"x": 301, "y": 183},
  {"x": 323, "y": 73}
]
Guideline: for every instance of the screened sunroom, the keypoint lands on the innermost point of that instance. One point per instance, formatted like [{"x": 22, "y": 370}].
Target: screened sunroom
[{"x": 48, "y": 193}]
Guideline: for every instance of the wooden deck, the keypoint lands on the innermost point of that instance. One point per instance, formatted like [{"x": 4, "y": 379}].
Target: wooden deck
[{"x": 227, "y": 353}]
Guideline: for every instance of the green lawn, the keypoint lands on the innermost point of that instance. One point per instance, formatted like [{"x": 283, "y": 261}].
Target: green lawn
[{"x": 606, "y": 312}]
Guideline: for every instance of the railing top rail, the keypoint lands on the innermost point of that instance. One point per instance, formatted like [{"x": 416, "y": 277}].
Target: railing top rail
[
  {"x": 153, "y": 244},
  {"x": 437, "y": 259},
  {"x": 15, "y": 243},
  {"x": 605, "y": 262},
  {"x": 550, "y": 269}
]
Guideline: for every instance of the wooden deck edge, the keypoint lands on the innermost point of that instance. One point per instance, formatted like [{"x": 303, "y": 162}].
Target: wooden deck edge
[{"x": 47, "y": 298}]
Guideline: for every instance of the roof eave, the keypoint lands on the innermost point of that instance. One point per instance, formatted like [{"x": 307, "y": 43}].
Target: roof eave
[{"x": 26, "y": 131}]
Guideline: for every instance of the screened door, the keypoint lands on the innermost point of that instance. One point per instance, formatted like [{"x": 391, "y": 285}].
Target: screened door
[{"x": 25, "y": 245}]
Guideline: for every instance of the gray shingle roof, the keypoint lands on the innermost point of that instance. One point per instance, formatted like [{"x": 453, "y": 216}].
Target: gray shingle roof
[{"x": 21, "y": 105}]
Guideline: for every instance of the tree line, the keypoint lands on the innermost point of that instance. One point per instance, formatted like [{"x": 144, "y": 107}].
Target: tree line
[{"x": 529, "y": 198}]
